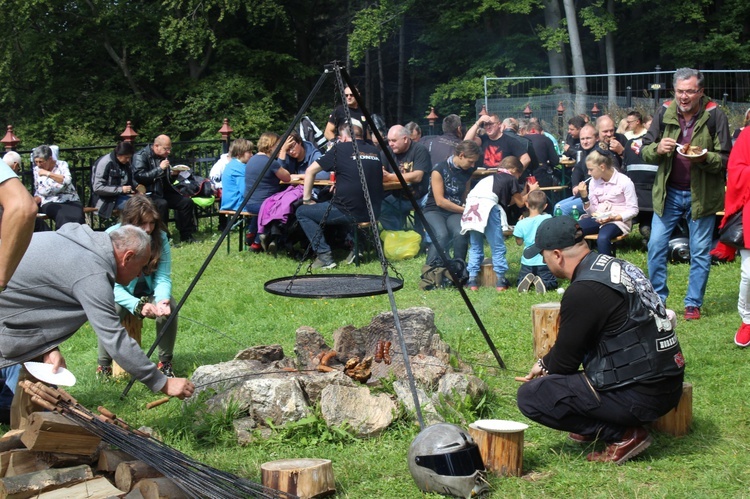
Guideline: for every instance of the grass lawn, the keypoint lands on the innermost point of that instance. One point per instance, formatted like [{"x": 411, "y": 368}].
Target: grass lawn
[{"x": 234, "y": 312}]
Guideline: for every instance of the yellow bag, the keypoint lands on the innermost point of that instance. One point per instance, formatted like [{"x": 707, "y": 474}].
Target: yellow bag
[{"x": 400, "y": 244}]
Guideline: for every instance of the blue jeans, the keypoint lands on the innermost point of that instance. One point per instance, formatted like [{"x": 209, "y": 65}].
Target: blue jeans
[
  {"x": 447, "y": 229},
  {"x": 494, "y": 234},
  {"x": 566, "y": 205},
  {"x": 676, "y": 206},
  {"x": 309, "y": 217},
  {"x": 605, "y": 233},
  {"x": 544, "y": 273}
]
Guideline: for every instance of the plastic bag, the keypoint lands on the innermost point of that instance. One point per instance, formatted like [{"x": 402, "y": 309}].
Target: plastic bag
[{"x": 400, "y": 244}]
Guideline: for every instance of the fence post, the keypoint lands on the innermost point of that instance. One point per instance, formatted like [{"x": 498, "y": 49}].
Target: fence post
[
  {"x": 129, "y": 134},
  {"x": 10, "y": 141},
  {"x": 629, "y": 97},
  {"x": 226, "y": 132}
]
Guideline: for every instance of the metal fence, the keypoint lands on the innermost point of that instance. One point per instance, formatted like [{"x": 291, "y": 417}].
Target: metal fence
[{"x": 611, "y": 94}]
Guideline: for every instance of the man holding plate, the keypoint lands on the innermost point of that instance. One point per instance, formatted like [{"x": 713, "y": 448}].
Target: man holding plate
[{"x": 686, "y": 185}]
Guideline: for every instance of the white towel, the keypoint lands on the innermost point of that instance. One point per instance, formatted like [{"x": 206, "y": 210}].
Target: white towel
[{"x": 479, "y": 203}]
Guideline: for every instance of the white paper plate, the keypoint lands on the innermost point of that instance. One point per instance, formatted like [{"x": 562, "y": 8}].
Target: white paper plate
[
  {"x": 679, "y": 151},
  {"x": 500, "y": 425},
  {"x": 43, "y": 372},
  {"x": 180, "y": 168}
]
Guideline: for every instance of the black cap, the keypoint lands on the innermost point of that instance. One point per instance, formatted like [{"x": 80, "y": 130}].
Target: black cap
[{"x": 555, "y": 233}]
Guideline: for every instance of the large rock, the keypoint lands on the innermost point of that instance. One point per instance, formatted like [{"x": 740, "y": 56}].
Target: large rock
[
  {"x": 262, "y": 353},
  {"x": 417, "y": 324},
  {"x": 349, "y": 342},
  {"x": 426, "y": 370},
  {"x": 280, "y": 400},
  {"x": 368, "y": 415},
  {"x": 314, "y": 383},
  {"x": 458, "y": 384},
  {"x": 405, "y": 397},
  {"x": 224, "y": 376},
  {"x": 309, "y": 343}
]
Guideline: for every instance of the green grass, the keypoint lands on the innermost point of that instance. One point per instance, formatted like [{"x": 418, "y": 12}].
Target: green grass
[{"x": 712, "y": 461}]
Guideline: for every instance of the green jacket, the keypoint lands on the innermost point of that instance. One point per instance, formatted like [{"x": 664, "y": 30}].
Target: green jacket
[{"x": 707, "y": 179}]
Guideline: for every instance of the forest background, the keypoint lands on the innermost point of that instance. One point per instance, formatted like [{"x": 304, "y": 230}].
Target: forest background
[{"x": 75, "y": 71}]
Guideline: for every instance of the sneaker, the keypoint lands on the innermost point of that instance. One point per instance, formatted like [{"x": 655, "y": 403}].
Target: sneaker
[
  {"x": 539, "y": 286},
  {"x": 350, "y": 259},
  {"x": 256, "y": 248},
  {"x": 635, "y": 441},
  {"x": 692, "y": 313},
  {"x": 580, "y": 439},
  {"x": 525, "y": 283},
  {"x": 324, "y": 261},
  {"x": 473, "y": 284},
  {"x": 742, "y": 338},
  {"x": 264, "y": 242},
  {"x": 502, "y": 284},
  {"x": 273, "y": 246},
  {"x": 166, "y": 369},
  {"x": 103, "y": 372}
]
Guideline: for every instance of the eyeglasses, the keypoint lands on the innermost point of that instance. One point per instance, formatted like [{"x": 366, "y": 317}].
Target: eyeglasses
[{"x": 689, "y": 93}]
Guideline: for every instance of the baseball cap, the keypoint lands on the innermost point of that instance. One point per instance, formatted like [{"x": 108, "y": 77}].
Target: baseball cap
[{"x": 555, "y": 233}]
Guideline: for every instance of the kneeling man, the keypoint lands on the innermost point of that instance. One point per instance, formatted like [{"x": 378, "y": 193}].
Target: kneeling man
[{"x": 614, "y": 324}]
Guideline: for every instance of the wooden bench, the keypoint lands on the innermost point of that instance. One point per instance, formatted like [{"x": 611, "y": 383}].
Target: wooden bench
[
  {"x": 591, "y": 240},
  {"x": 241, "y": 224}
]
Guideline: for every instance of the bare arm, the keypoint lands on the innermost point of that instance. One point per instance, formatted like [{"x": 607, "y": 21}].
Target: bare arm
[
  {"x": 438, "y": 192},
  {"x": 19, "y": 212},
  {"x": 330, "y": 131},
  {"x": 310, "y": 173}
]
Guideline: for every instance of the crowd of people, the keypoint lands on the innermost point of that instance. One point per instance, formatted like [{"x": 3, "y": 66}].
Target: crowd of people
[{"x": 127, "y": 269}]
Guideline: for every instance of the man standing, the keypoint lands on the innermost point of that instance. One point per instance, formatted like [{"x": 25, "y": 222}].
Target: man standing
[
  {"x": 338, "y": 116},
  {"x": 151, "y": 168},
  {"x": 496, "y": 146},
  {"x": 691, "y": 187},
  {"x": 545, "y": 152},
  {"x": 45, "y": 304},
  {"x": 413, "y": 162},
  {"x": 348, "y": 200},
  {"x": 443, "y": 146},
  {"x": 632, "y": 363}
]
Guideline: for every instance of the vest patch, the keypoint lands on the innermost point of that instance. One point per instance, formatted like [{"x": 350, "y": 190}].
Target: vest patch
[
  {"x": 666, "y": 343},
  {"x": 600, "y": 263}
]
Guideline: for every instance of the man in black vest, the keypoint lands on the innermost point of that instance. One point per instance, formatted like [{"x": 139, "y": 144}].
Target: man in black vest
[{"x": 614, "y": 324}]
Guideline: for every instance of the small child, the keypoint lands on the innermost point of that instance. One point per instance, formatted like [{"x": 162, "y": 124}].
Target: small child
[{"x": 533, "y": 272}]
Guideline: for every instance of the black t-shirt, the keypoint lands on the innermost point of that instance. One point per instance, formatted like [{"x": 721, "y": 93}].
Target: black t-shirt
[
  {"x": 348, "y": 196},
  {"x": 441, "y": 147},
  {"x": 455, "y": 180},
  {"x": 574, "y": 146},
  {"x": 504, "y": 186},
  {"x": 502, "y": 147},
  {"x": 338, "y": 117},
  {"x": 632, "y": 154},
  {"x": 415, "y": 159}
]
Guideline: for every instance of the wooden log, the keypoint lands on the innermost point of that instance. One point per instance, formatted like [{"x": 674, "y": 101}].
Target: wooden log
[
  {"x": 487, "y": 276},
  {"x": 11, "y": 440},
  {"x": 28, "y": 461},
  {"x": 677, "y": 421},
  {"x": 134, "y": 494},
  {"x": 502, "y": 453},
  {"x": 129, "y": 473},
  {"x": 52, "y": 432},
  {"x": 133, "y": 325},
  {"x": 545, "y": 319},
  {"x": 109, "y": 459},
  {"x": 159, "y": 488},
  {"x": 98, "y": 488},
  {"x": 33, "y": 484},
  {"x": 305, "y": 478}
]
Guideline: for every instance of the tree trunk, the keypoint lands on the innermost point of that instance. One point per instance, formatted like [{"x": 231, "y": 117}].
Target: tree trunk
[
  {"x": 579, "y": 69},
  {"x": 381, "y": 79},
  {"x": 609, "y": 43},
  {"x": 401, "y": 69},
  {"x": 556, "y": 57}
]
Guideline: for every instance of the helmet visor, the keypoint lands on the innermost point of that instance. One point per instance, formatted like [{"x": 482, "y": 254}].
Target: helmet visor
[{"x": 460, "y": 463}]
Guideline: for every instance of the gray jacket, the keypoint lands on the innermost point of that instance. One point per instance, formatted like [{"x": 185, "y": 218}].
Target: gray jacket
[{"x": 64, "y": 279}]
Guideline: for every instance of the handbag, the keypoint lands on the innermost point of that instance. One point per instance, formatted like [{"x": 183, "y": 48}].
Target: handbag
[{"x": 731, "y": 234}]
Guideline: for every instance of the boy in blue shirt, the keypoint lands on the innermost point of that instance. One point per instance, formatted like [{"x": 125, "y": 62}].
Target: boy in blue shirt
[{"x": 533, "y": 272}]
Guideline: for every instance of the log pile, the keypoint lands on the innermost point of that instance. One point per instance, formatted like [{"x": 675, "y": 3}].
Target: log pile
[{"x": 71, "y": 452}]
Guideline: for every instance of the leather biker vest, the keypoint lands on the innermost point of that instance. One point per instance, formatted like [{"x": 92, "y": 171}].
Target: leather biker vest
[{"x": 645, "y": 348}]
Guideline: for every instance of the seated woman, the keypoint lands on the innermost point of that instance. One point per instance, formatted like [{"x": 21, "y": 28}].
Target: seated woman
[
  {"x": 449, "y": 184},
  {"x": 53, "y": 188},
  {"x": 150, "y": 294},
  {"x": 610, "y": 200},
  {"x": 112, "y": 180},
  {"x": 233, "y": 176},
  {"x": 267, "y": 185}
]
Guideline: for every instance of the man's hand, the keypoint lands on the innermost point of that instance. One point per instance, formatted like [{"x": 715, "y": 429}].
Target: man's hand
[
  {"x": 178, "y": 387},
  {"x": 163, "y": 308},
  {"x": 666, "y": 146},
  {"x": 616, "y": 147},
  {"x": 536, "y": 372},
  {"x": 55, "y": 358}
]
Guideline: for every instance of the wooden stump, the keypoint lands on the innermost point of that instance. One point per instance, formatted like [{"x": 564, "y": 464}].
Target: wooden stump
[
  {"x": 677, "y": 421},
  {"x": 305, "y": 478},
  {"x": 487, "y": 276},
  {"x": 545, "y": 318},
  {"x": 502, "y": 453},
  {"x": 133, "y": 325}
]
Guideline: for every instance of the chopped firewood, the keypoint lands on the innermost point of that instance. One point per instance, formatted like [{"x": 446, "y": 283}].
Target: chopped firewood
[
  {"x": 28, "y": 461},
  {"x": 11, "y": 440},
  {"x": 32, "y": 484},
  {"x": 130, "y": 472},
  {"x": 52, "y": 432},
  {"x": 109, "y": 459},
  {"x": 156, "y": 488},
  {"x": 98, "y": 488}
]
